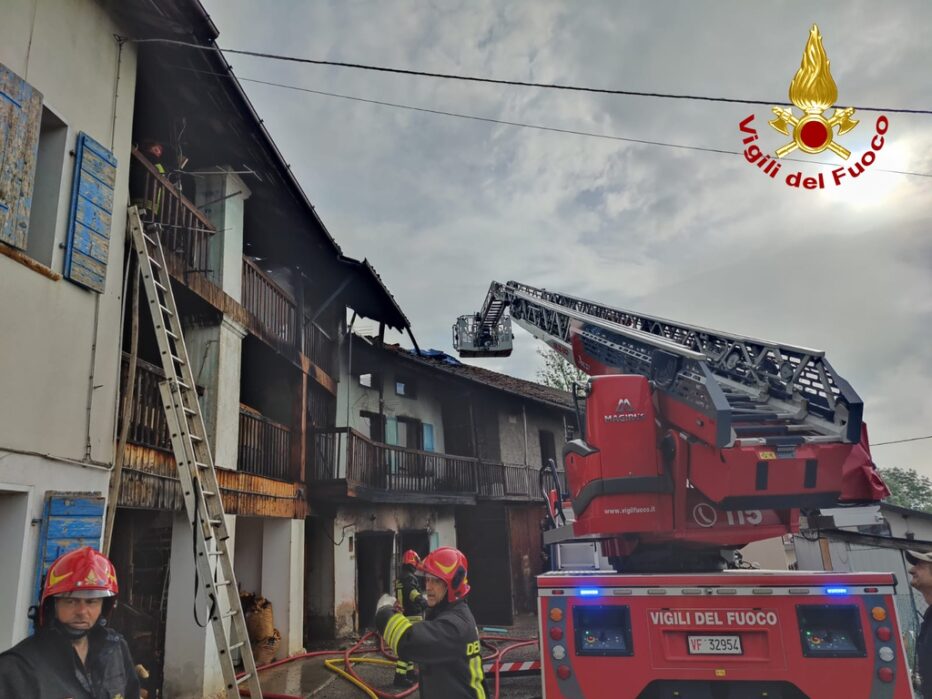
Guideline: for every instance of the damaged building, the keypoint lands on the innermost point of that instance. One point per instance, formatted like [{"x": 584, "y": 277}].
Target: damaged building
[
  {"x": 334, "y": 452},
  {"x": 429, "y": 452}
]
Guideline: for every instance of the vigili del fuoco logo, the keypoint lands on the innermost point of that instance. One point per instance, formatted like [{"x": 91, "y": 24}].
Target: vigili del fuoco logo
[{"x": 813, "y": 91}]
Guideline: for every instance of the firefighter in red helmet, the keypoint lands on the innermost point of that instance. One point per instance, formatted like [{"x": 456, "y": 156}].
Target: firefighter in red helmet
[
  {"x": 412, "y": 603},
  {"x": 73, "y": 653},
  {"x": 446, "y": 644}
]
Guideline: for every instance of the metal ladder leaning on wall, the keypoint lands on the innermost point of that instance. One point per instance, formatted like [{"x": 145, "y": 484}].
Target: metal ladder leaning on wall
[{"x": 195, "y": 463}]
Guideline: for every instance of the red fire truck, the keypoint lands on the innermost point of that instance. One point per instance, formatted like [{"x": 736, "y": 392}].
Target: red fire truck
[{"x": 693, "y": 443}]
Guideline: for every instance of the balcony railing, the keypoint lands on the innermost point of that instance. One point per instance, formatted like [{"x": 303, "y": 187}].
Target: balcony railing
[
  {"x": 186, "y": 231},
  {"x": 339, "y": 454},
  {"x": 319, "y": 348},
  {"x": 264, "y": 446},
  {"x": 269, "y": 303},
  {"x": 147, "y": 425}
]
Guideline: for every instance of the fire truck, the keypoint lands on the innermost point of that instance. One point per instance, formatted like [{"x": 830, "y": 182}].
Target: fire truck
[{"x": 693, "y": 443}]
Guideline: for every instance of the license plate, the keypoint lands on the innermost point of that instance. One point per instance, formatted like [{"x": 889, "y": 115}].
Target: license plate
[{"x": 714, "y": 645}]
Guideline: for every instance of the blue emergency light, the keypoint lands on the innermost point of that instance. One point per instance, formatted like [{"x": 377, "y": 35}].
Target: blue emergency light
[
  {"x": 836, "y": 590},
  {"x": 588, "y": 591}
]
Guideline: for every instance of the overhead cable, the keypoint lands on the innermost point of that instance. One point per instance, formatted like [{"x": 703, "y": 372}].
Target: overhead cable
[
  {"x": 495, "y": 81},
  {"x": 538, "y": 127}
]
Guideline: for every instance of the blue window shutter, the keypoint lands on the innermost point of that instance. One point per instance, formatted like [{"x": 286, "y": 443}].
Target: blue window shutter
[
  {"x": 69, "y": 521},
  {"x": 20, "y": 121},
  {"x": 391, "y": 431},
  {"x": 428, "y": 437},
  {"x": 88, "y": 245}
]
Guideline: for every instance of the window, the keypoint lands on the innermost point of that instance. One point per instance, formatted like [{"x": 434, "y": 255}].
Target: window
[
  {"x": 370, "y": 380},
  {"x": 46, "y": 195},
  {"x": 548, "y": 448},
  {"x": 373, "y": 425},
  {"x": 21, "y": 115},
  {"x": 405, "y": 387}
]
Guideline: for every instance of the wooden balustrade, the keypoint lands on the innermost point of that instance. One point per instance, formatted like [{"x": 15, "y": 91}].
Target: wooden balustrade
[
  {"x": 186, "y": 231},
  {"x": 319, "y": 348},
  {"x": 338, "y": 453},
  {"x": 272, "y": 306},
  {"x": 147, "y": 426},
  {"x": 264, "y": 446}
]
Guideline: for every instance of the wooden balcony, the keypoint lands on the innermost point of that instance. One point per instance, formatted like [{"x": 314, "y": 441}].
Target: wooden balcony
[
  {"x": 264, "y": 446},
  {"x": 341, "y": 456},
  {"x": 321, "y": 349},
  {"x": 271, "y": 305},
  {"x": 186, "y": 231}
]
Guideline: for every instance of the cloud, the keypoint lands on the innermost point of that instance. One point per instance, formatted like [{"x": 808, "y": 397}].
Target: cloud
[{"x": 442, "y": 206}]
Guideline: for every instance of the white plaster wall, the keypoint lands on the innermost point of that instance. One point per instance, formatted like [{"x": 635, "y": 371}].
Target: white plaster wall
[
  {"x": 283, "y": 579},
  {"x": 191, "y": 667},
  {"x": 349, "y": 522},
  {"x": 249, "y": 554},
  {"x": 66, "y": 50},
  {"x": 426, "y": 406},
  {"x": 215, "y": 352},
  {"x": 512, "y": 434},
  {"x": 225, "y": 195},
  {"x": 32, "y": 476}
]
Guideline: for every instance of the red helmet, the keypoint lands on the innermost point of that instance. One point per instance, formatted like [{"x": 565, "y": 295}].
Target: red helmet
[
  {"x": 450, "y": 565},
  {"x": 410, "y": 558},
  {"x": 83, "y": 572}
]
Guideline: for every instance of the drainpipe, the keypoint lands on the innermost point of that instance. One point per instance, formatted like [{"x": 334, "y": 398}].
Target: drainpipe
[
  {"x": 524, "y": 417},
  {"x": 349, "y": 383}
]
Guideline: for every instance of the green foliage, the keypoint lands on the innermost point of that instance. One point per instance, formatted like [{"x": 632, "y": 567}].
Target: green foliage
[
  {"x": 558, "y": 372},
  {"x": 908, "y": 488}
]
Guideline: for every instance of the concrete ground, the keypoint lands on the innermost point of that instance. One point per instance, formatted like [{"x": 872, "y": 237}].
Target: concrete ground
[{"x": 310, "y": 678}]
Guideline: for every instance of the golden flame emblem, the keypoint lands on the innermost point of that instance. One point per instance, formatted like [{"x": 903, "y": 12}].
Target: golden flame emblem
[{"x": 813, "y": 90}]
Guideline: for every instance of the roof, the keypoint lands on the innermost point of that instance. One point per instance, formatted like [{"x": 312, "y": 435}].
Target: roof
[
  {"x": 439, "y": 361},
  {"x": 905, "y": 511},
  {"x": 188, "y": 20}
]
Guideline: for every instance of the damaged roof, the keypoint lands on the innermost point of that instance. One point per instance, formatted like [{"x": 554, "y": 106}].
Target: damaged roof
[
  {"x": 234, "y": 120},
  {"x": 447, "y": 364}
]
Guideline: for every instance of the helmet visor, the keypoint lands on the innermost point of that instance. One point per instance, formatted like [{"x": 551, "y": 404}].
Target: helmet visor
[{"x": 86, "y": 594}]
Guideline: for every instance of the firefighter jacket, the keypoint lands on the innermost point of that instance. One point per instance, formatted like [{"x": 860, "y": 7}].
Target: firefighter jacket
[
  {"x": 45, "y": 666},
  {"x": 408, "y": 593},
  {"x": 923, "y": 661},
  {"x": 445, "y": 647}
]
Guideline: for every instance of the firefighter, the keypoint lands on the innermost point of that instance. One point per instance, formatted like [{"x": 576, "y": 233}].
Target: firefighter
[
  {"x": 73, "y": 653},
  {"x": 412, "y": 604},
  {"x": 920, "y": 577},
  {"x": 446, "y": 644}
]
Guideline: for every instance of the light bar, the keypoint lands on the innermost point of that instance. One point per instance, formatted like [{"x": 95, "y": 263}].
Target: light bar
[
  {"x": 588, "y": 592},
  {"x": 836, "y": 590}
]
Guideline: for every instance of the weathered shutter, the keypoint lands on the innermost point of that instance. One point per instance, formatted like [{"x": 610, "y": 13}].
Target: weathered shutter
[
  {"x": 69, "y": 521},
  {"x": 90, "y": 216},
  {"x": 20, "y": 121},
  {"x": 428, "y": 436}
]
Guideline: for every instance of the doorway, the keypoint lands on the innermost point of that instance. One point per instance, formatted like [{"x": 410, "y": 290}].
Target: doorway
[{"x": 373, "y": 573}]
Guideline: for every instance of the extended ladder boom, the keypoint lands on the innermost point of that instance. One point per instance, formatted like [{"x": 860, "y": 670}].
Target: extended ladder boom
[
  {"x": 756, "y": 391},
  {"x": 216, "y": 580}
]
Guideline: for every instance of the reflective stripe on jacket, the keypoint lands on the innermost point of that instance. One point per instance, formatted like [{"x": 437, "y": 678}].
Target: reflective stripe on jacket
[{"x": 445, "y": 646}]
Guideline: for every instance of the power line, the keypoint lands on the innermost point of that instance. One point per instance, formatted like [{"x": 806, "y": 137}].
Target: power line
[
  {"x": 901, "y": 441},
  {"x": 538, "y": 127},
  {"x": 494, "y": 81}
]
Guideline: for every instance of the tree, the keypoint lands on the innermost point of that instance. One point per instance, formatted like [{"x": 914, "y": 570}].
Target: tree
[
  {"x": 557, "y": 372},
  {"x": 908, "y": 488}
]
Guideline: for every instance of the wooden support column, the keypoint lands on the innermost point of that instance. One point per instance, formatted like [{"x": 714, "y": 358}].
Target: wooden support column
[{"x": 299, "y": 436}]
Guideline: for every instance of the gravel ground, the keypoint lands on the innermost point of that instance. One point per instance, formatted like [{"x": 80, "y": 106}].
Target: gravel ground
[{"x": 310, "y": 678}]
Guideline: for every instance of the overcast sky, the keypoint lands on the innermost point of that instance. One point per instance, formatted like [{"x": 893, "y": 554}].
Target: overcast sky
[{"x": 441, "y": 206}]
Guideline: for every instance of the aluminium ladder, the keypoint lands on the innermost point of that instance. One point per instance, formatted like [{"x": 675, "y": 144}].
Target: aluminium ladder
[{"x": 195, "y": 464}]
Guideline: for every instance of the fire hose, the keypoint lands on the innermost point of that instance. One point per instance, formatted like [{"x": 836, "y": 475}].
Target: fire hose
[{"x": 348, "y": 672}]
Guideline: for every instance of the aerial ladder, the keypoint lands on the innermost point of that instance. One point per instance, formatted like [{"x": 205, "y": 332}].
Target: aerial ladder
[
  {"x": 694, "y": 442},
  {"x": 196, "y": 470}
]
